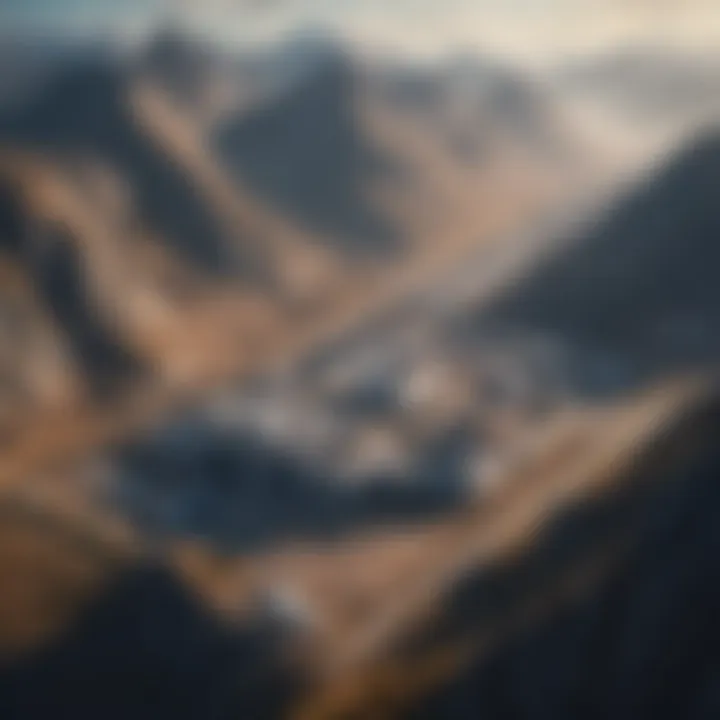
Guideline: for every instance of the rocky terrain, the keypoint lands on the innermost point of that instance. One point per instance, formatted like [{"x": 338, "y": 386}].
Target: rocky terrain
[{"x": 333, "y": 388}]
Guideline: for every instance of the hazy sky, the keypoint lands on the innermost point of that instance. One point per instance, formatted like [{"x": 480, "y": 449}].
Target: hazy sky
[{"x": 426, "y": 26}]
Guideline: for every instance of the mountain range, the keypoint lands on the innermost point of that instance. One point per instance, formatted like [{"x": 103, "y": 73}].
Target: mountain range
[
  {"x": 136, "y": 221},
  {"x": 432, "y": 519}
]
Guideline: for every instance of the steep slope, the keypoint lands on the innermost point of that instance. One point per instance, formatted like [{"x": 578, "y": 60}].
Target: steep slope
[
  {"x": 132, "y": 235},
  {"x": 641, "y": 287},
  {"x": 581, "y": 593},
  {"x": 88, "y": 111},
  {"x": 36, "y": 367},
  {"x": 306, "y": 153},
  {"x": 103, "y": 631},
  {"x": 49, "y": 257},
  {"x": 173, "y": 252},
  {"x": 182, "y": 67},
  {"x": 630, "y": 632}
]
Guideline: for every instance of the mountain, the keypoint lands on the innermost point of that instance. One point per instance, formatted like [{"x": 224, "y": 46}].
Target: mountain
[
  {"x": 401, "y": 501},
  {"x": 37, "y": 371},
  {"x": 122, "y": 636},
  {"x": 47, "y": 253},
  {"x": 641, "y": 286},
  {"x": 168, "y": 222},
  {"x": 202, "y": 81},
  {"x": 307, "y": 154},
  {"x": 88, "y": 110},
  {"x": 28, "y": 62},
  {"x": 580, "y": 585},
  {"x": 177, "y": 63},
  {"x": 621, "y": 619},
  {"x": 124, "y": 223},
  {"x": 477, "y": 103}
]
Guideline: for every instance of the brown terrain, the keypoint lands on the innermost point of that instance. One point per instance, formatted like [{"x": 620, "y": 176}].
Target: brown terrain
[
  {"x": 110, "y": 191},
  {"x": 374, "y": 594},
  {"x": 152, "y": 255}
]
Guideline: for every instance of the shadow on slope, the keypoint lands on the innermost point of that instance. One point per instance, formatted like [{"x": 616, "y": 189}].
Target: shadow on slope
[
  {"x": 640, "y": 641},
  {"x": 52, "y": 262},
  {"x": 242, "y": 493},
  {"x": 306, "y": 154},
  {"x": 606, "y": 610},
  {"x": 86, "y": 110},
  {"x": 642, "y": 286},
  {"x": 147, "y": 649}
]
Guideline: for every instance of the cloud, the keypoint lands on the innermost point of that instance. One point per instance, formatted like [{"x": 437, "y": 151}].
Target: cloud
[{"x": 514, "y": 26}]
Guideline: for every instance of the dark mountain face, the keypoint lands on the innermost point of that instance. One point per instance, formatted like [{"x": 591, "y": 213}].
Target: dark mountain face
[
  {"x": 306, "y": 154},
  {"x": 148, "y": 649},
  {"x": 180, "y": 65},
  {"x": 11, "y": 223},
  {"x": 27, "y": 63},
  {"x": 642, "y": 286},
  {"x": 643, "y": 642},
  {"x": 52, "y": 261},
  {"x": 86, "y": 111},
  {"x": 60, "y": 279}
]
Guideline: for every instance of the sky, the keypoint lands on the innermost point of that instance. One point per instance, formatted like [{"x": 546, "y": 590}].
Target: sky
[{"x": 533, "y": 27}]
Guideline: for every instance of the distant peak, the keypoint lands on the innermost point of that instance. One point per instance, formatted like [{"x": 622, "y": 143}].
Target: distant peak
[{"x": 171, "y": 44}]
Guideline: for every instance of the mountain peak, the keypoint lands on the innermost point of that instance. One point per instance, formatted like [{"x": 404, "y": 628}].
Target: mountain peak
[{"x": 306, "y": 151}]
